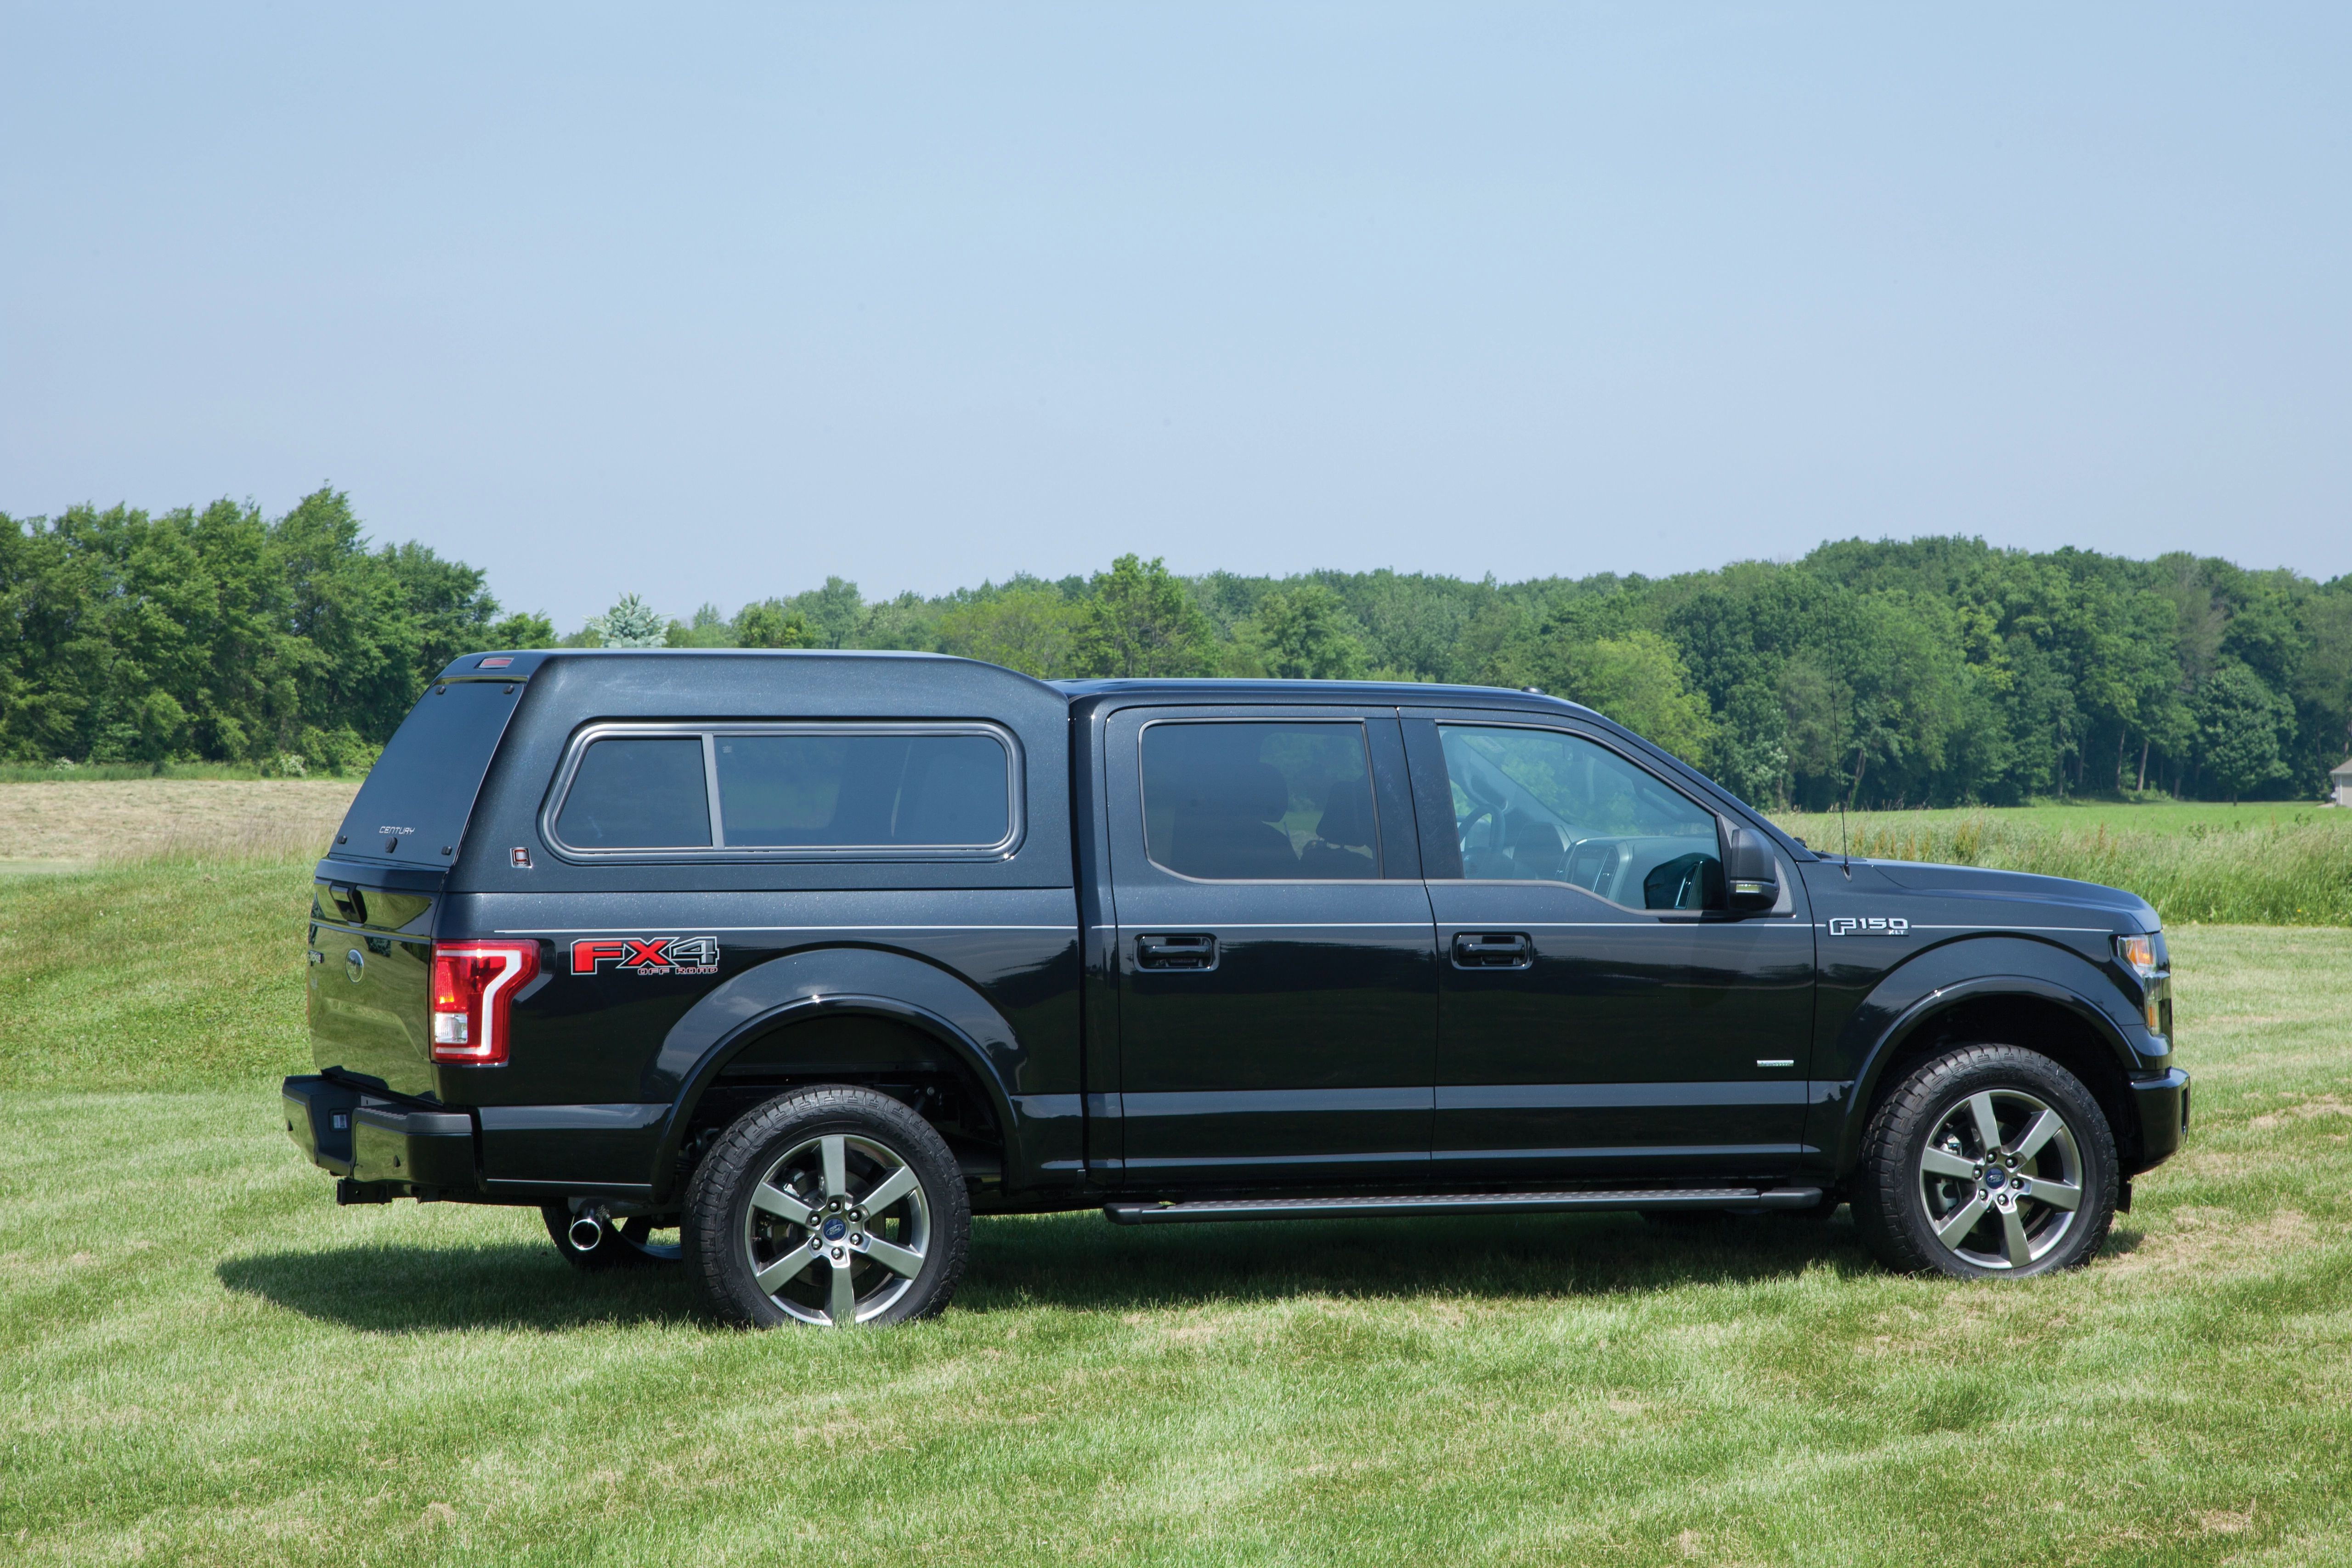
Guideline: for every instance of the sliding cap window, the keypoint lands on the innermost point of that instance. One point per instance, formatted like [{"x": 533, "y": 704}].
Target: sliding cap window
[
  {"x": 855, "y": 790},
  {"x": 1260, "y": 802}
]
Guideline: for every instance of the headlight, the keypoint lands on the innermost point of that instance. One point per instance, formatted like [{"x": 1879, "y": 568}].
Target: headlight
[{"x": 2139, "y": 953}]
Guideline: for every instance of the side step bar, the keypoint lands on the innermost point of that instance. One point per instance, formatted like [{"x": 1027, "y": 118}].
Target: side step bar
[{"x": 1204, "y": 1210}]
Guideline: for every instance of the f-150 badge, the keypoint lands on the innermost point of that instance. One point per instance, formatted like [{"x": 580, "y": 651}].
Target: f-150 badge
[
  {"x": 1848, "y": 925},
  {"x": 647, "y": 954}
]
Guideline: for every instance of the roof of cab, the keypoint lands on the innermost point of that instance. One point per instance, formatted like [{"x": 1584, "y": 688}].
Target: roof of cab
[{"x": 1400, "y": 693}]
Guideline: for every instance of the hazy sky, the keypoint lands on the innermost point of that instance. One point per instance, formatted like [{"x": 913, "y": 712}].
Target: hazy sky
[{"x": 710, "y": 303}]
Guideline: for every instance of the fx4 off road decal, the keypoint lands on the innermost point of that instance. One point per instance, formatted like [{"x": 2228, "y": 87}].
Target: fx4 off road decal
[
  {"x": 647, "y": 954},
  {"x": 1847, "y": 925}
]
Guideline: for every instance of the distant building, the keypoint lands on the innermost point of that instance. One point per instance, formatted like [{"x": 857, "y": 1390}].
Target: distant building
[{"x": 2342, "y": 779}]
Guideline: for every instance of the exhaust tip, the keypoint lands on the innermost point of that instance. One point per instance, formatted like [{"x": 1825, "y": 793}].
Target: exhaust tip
[{"x": 586, "y": 1232}]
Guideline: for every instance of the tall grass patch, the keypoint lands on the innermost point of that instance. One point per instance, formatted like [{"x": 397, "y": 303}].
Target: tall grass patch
[{"x": 2293, "y": 869}]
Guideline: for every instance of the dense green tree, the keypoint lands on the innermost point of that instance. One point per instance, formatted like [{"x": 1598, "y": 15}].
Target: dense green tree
[
  {"x": 1140, "y": 620},
  {"x": 2238, "y": 721},
  {"x": 1638, "y": 680},
  {"x": 1301, "y": 633},
  {"x": 1031, "y": 627},
  {"x": 769, "y": 624}
]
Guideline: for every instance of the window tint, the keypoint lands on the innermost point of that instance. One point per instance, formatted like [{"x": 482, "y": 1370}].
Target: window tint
[
  {"x": 1259, "y": 801},
  {"x": 845, "y": 790},
  {"x": 1548, "y": 807},
  {"x": 637, "y": 792}
]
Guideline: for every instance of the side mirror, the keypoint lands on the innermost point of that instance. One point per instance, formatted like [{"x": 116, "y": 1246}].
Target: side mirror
[{"x": 1750, "y": 875}]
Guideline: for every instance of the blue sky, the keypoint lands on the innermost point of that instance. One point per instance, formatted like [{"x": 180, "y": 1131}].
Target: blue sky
[{"x": 710, "y": 303}]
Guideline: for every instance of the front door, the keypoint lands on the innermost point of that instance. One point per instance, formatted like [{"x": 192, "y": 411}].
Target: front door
[
  {"x": 1601, "y": 1011},
  {"x": 1277, "y": 973}
]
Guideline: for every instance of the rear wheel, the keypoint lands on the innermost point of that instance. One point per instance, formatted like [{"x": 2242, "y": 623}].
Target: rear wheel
[
  {"x": 828, "y": 1207},
  {"x": 626, "y": 1244},
  {"x": 1987, "y": 1160}
]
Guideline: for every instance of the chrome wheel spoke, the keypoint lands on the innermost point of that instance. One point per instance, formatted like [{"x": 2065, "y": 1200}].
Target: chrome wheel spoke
[
  {"x": 836, "y": 1165},
  {"x": 1954, "y": 1229},
  {"x": 784, "y": 1270},
  {"x": 2013, "y": 1237},
  {"x": 1988, "y": 1124},
  {"x": 843, "y": 1301},
  {"x": 1944, "y": 1162},
  {"x": 890, "y": 1255},
  {"x": 896, "y": 1186},
  {"x": 2057, "y": 1195},
  {"x": 2043, "y": 1128},
  {"x": 769, "y": 1198}
]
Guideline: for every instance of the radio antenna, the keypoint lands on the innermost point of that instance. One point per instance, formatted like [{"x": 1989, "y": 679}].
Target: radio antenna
[{"x": 1845, "y": 847}]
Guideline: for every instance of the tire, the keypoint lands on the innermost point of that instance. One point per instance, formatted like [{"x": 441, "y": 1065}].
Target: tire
[
  {"x": 1928, "y": 1198},
  {"x": 806, "y": 1168},
  {"x": 628, "y": 1244}
]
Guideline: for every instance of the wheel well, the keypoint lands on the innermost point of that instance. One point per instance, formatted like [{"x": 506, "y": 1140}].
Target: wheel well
[
  {"x": 2033, "y": 1024},
  {"x": 885, "y": 1055}
]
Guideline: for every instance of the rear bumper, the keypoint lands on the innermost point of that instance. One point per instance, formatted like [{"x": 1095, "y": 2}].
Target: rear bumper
[
  {"x": 381, "y": 1143},
  {"x": 2163, "y": 1103}
]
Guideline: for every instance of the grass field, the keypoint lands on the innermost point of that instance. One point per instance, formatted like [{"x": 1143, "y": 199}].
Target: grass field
[
  {"x": 206, "y": 1361},
  {"x": 2270, "y": 865}
]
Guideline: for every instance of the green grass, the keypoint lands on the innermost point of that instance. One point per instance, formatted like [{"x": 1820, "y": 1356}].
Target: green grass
[
  {"x": 203, "y": 1359},
  {"x": 46, "y": 773},
  {"x": 156, "y": 975},
  {"x": 2171, "y": 816},
  {"x": 2271, "y": 865}
]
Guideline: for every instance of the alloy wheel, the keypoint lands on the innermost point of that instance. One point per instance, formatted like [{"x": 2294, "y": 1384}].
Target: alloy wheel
[
  {"x": 837, "y": 1229},
  {"x": 2000, "y": 1178}
]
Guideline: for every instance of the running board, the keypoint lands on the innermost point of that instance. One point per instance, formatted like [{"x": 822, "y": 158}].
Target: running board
[{"x": 1204, "y": 1210}]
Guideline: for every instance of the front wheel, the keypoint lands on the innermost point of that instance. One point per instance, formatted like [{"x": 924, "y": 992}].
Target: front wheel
[
  {"x": 829, "y": 1206},
  {"x": 1987, "y": 1161}
]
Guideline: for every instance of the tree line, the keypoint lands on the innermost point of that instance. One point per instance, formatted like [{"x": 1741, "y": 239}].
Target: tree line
[
  {"x": 217, "y": 635},
  {"x": 1937, "y": 671}
]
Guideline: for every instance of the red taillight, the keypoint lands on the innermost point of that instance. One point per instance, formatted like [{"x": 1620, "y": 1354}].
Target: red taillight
[{"x": 473, "y": 982}]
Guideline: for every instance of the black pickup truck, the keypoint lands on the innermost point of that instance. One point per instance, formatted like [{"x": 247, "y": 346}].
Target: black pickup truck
[{"x": 804, "y": 958}]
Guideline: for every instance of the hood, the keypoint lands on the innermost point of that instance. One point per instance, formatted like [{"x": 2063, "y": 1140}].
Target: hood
[{"x": 2018, "y": 886}]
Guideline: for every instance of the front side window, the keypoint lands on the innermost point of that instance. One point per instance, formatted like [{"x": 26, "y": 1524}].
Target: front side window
[
  {"x": 637, "y": 792},
  {"x": 1260, "y": 802},
  {"x": 1544, "y": 805}
]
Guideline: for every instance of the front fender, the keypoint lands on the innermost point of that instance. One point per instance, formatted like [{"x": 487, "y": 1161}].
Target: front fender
[
  {"x": 1918, "y": 993},
  {"x": 825, "y": 981}
]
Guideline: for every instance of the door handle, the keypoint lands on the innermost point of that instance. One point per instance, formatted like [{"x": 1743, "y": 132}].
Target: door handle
[
  {"x": 1493, "y": 950},
  {"x": 1187, "y": 952}
]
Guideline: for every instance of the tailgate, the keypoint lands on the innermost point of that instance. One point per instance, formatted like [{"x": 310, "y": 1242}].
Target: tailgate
[{"x": 371, "y": 967}]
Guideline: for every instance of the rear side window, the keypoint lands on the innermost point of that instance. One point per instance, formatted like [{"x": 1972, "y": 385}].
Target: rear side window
[
  {"x": 914, "y": 791},
  {"x": 638, "y": 791},
  {"x": 1260, "y": 802}
]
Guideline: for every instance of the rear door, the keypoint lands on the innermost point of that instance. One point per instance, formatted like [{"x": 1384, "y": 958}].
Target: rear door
[
  {"x": 1276, "y": 967},
  {"x": 1600, "y": 1011}
]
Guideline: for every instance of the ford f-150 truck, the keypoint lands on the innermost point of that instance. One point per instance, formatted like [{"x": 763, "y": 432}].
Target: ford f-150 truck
[{"x": 784, "y": 964}]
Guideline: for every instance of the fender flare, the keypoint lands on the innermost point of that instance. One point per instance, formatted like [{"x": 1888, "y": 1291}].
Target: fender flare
[
  {"x": 820, "y": 982},
  {"x": 1942, "y": 1000}
]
